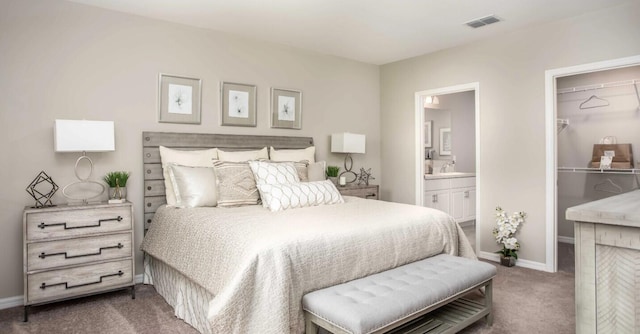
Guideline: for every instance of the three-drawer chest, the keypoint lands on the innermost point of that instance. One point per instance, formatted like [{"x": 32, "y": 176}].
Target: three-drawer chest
[{"x": 75, "y": 251}]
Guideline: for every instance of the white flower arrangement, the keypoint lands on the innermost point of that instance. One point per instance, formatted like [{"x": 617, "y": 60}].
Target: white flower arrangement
[{"x": 504, "y": 232}]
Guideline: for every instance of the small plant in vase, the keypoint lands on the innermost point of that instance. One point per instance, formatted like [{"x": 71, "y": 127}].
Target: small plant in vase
[
  {"x": 117, "y": 182},
  {"x": 332, "y": 173},
  {"x": 504, "y": 232}
]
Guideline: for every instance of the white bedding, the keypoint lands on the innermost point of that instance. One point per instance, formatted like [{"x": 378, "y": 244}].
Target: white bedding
[{"x": 258, "y": 264}]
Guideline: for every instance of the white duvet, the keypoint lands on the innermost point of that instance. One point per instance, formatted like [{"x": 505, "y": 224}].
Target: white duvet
[{"x": 258, "y": 264}]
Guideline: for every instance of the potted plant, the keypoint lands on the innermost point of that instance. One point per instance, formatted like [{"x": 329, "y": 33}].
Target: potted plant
[
  {"x": 504, "y": 232},
  {"x": 117, "y": 182},
  {"x": 332, "y": 173}
]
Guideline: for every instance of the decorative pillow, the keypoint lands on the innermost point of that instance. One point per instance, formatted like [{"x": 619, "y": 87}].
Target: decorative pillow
[
  {"x": 236, "y": 184},
  {"x": 194, "y": 186},
  {"x": 306, "y": 154},
  {"x": 285, "y": 196},
  {"x": 274, "y": 173},
  {"x": 199, "y": 158},
  {"x": 241, "y": 156},
  {"x": 317, "y": 171}
]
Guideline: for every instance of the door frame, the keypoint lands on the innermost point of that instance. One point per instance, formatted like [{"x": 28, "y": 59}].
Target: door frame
[
  {"x": 419, "y": 139},
  {"x": 551, "y": 144}
]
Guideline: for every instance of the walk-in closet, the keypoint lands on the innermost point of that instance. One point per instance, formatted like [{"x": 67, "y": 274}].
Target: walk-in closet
[{"x": 593, "y": 109}]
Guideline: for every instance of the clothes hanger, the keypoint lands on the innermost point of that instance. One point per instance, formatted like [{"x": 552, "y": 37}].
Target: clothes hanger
[
  {"x": 600, "y": 102},
  {"x": 608, "y": 186}
]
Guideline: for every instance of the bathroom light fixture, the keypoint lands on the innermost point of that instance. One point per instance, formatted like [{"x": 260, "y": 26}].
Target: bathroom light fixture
[
  {"x": 431, "y": 100},
  {"x": 83, "y": 136},
  {"x": 348, "y": 143}
]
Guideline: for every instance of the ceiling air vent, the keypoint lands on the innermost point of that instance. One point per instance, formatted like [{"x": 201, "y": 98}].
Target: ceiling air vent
[{"x": 483, "y": 21}]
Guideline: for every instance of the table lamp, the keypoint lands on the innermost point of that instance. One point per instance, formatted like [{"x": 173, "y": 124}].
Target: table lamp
[
  {"x": 83, "y": 136},
  {"x": 348, "y": 143}
]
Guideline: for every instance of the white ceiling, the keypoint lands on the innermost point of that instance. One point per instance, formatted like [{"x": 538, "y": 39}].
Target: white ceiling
[{"x": 371, "y": 31}]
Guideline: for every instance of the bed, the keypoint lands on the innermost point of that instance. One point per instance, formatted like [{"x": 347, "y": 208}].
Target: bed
[{"x": 245, "y": 269}]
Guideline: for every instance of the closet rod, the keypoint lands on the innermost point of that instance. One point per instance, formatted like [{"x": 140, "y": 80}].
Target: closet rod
[
  {"x": 630, "y": 171},
  {"x": 598, "y": 86}
]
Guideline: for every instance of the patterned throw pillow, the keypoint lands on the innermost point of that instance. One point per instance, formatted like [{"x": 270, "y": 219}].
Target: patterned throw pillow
[
  {"x": 236, "y": 184},
  {"x": 278, "y": 197},
  {"x": 274, "y": 173}
]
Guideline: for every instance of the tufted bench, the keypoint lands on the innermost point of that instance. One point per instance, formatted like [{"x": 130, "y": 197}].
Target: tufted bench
[{"x": 398, "y": 300}]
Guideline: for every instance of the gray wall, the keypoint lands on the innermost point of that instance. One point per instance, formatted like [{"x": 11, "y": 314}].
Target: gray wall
[
  {"x": 510, "y": 70},
  {"x": 70, "y": 61},
  {"x": 586, "y": 127}
]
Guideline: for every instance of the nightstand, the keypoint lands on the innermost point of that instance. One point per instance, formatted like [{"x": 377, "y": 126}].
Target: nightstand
[
  {"x": 364, "y": 191},
  {"x": 75, "y": 251}
]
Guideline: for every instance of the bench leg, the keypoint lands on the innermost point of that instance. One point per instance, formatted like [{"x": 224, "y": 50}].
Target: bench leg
[
  {"x": 310, "y": 327},
  {"x": 488, "y": 302}
]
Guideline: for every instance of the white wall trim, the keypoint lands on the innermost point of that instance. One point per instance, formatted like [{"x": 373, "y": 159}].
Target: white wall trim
[
  {"x": 519, "y": 263},
  {"x": 566, "y": 240},
  {"x": 419, "y": 131},
  {"x": 551, "y": 137},
  {"x": 10, "y": 302}
]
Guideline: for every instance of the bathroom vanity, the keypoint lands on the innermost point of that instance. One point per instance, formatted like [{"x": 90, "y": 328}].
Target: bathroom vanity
[{"x": 453, "y": 193}]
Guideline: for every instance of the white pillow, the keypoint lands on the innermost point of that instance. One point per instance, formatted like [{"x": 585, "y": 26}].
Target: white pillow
[
  {"x": 242, "y": 156},
  {"x": 274, "y": 173},
  {"x": 194, "y": 186},
  {"x": 199, "y": 158},
  {"x": 306, "y": 154},
  {"x": 278, "y": 197},
  {"x": 317, "y": 171}
]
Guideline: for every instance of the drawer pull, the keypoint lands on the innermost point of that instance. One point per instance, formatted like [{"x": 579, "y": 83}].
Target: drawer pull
[
  {"x": 370, "y": 195},
  {"x": 67, "y": 286},
  {"x": 66, "y": 256},
  {"x": 43, "y": 225}
]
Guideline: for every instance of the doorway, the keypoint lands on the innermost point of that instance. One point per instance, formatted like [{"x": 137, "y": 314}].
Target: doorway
[
  {"x": 554, "y": 127},
  {"x": 447, "y": 136}
]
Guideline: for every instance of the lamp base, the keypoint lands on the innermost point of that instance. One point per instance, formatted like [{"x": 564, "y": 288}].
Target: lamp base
[
  {"x": 348, "y": 164},
  {"x": 83, "y": 181}
]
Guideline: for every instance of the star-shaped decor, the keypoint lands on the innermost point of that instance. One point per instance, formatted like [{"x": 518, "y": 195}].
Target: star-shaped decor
[
  {"x": 365, "y": 176},
  {"x": 36, "y": 189}
]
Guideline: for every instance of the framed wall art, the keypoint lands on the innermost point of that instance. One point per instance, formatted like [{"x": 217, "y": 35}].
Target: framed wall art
[
  {"x": 238, "y": 104},
  {"x": 286, "y": 108},
  {"x": 427, "y": 133},
  {"x": 445, "y": 141},
  {"x": 179, "y": 99}
]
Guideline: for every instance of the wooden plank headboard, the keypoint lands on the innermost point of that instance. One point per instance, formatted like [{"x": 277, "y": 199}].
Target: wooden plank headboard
[{"x": 154, "y": 195}]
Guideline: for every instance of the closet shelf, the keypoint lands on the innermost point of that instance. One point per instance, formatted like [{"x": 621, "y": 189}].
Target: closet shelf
[{"x": 598, "y": 170}]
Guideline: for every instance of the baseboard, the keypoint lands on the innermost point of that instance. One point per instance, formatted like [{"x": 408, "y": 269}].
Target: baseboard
[
  {"x": 520, "y": 263},
  {"x": 11, "y": 302},
  {"x": 19, "y": 300},
  {"x": 566, "y": 240}
]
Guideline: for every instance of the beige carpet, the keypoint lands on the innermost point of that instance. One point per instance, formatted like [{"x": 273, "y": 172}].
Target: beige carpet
[{"x": 525, "y": 301}]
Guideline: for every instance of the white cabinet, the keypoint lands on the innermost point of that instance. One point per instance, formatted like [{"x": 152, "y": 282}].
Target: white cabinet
[
  {"x": 455, "y": 196},
  {"x": 437, "y": 199}
]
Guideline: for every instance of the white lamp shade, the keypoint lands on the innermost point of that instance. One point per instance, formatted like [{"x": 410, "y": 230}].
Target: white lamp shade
[
  {"x": 83, "y": 136},
  {"x": 347, "y": 143}
]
